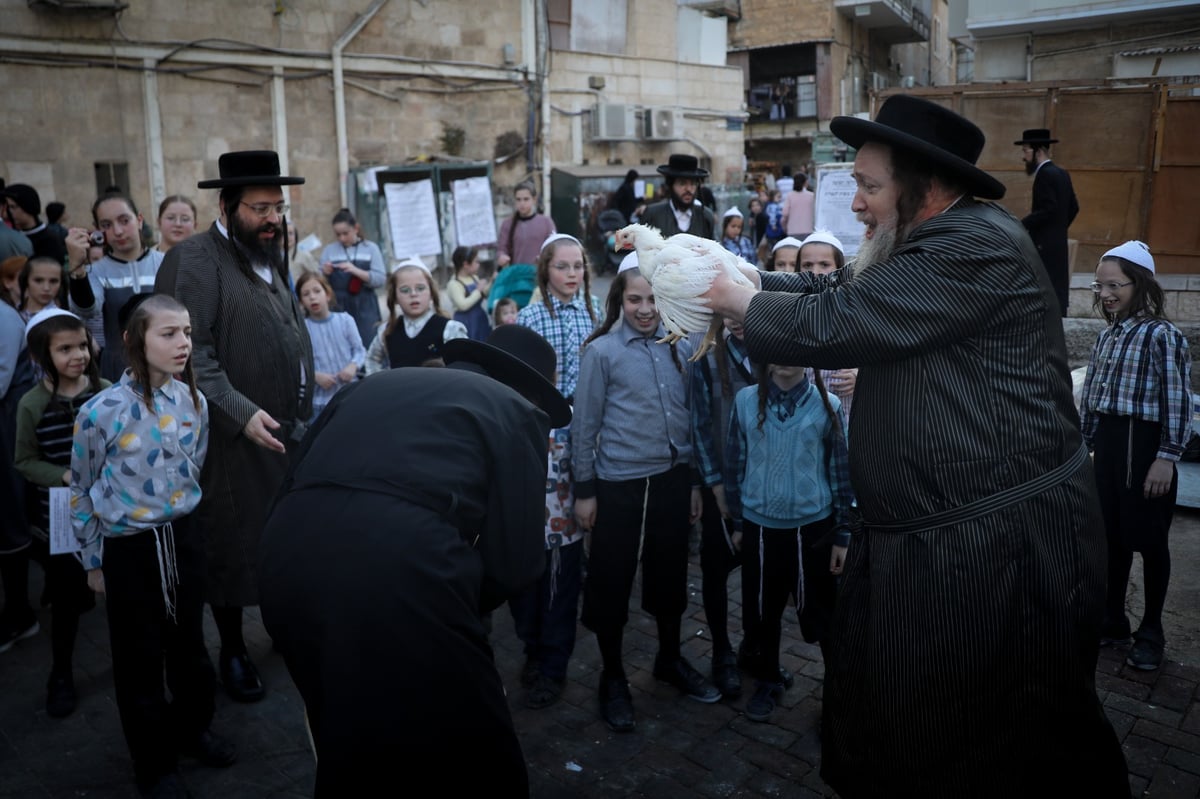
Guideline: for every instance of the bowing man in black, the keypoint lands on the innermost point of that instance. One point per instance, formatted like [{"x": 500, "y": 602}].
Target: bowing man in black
[
  {"x": 416, "y": 504},
  {"x": 1054, "y": 209}
]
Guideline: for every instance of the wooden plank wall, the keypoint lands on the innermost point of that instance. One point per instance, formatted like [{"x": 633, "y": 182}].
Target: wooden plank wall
[{"x": 1132, "y": 152}]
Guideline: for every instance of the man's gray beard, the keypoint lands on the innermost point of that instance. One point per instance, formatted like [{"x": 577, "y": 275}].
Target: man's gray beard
[{"x": 877, "y": 248}]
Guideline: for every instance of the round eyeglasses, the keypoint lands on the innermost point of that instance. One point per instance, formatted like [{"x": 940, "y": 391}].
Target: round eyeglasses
[{"x": 1113, "y": 287}]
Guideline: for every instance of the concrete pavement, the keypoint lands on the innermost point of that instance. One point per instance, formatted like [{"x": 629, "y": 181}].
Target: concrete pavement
[{"x": 681, "y": 748}]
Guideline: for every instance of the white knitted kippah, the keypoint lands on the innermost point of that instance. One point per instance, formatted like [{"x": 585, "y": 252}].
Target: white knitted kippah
[
  {"x": 44, "y": 314},
  {"x": 824, "y": 237},
  {"x": 789, "y": 241},
  {"x": 628, "y": 262},
  {"x": 1134, "y": 251}
]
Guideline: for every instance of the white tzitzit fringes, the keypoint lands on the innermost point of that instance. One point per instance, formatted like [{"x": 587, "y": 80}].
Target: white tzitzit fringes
[
  {"x": 761, "y": 576},
  {"x": 645, "y": 509},
  {"x": 799, "y": 571},
  {"x": 168, "y": 569},
  {"x": 555, "y": 568}
]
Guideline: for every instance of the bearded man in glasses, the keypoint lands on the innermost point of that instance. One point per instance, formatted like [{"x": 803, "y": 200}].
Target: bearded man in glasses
[
  {"x": 254, "y": 362},
  {"x": 965, "y": 637}
]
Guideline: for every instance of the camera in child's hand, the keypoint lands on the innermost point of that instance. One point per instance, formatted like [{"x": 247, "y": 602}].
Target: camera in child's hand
[{"x": 97, "y": 237}]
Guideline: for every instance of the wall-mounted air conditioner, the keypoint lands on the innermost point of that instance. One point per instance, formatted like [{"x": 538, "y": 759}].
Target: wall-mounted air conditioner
[
  {"x": 660, "y": 124},
  {"x": 613, "y": 122}
]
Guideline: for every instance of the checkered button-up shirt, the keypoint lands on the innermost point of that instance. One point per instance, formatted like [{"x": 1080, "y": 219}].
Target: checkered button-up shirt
[
  {"x": 1141, "y": 367},
  {"x": 566, "y": 325}
]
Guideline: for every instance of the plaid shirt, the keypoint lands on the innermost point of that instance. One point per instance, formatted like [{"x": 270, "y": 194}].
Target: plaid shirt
[
  {"x": 566, "y": 329},
  {"x": 1141, "y": 368}
]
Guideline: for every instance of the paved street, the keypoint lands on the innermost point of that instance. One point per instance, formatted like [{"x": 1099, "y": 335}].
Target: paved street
[{"x": 680, "y": 748}]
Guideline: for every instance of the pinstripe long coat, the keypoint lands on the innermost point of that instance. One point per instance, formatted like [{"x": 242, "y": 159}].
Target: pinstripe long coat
[
  {"x": 963, "y": 657},
  {"x": 249, "y": 343}
]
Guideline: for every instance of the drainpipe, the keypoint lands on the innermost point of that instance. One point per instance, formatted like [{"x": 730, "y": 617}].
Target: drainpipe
[
  {"x": 543, "y": 79},
  {"x": 339, "y": 95},
  {"x": 154, "y": 140},
  {"x": 279, "y": 120}
]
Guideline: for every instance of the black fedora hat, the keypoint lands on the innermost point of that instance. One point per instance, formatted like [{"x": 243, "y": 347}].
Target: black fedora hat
[
  {"x": 519, "y": 358},
  {"x": 249, "y": 168},
  {"x": 1036, "y": 136},
  {"x": 923, "y": 128},
  {"x": 680, "y": 165}
]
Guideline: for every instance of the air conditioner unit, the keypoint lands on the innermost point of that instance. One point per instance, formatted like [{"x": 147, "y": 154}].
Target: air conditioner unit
[
  {"x": 659, "y": 123},
  {"x": 613, "y": 122}
]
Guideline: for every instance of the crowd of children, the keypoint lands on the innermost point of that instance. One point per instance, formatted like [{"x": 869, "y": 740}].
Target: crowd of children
[{"x": 755, "y": 453}]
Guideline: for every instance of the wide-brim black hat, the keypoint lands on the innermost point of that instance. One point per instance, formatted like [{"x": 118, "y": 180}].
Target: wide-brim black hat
[
  {"x": 519, "y": 358},
  {"x": 680, "y": 165},
  {"x": 949, "y": 142},
  {"x": 249, "y": 168},
  {"x": 1036, "y": 136}
]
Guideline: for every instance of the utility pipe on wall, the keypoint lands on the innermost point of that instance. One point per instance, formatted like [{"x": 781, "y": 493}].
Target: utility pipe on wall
[
  {"x": 279, "y": 122},
  {"x": 154, "y": 145},
  {"x": 339, "y": 95}
]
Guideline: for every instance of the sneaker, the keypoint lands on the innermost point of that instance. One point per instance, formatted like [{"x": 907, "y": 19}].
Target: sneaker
[
  {"x": 1147, "y": 651},
  {"x": 762, "y": 704},
  {"x": 683, "y": 676},
  {"x": 544, "y": 692},
  {"x": 725, "y": 675},
  {"x": 616, "y": 703},
  {"x": 11, "y": 633},
  {"x": 747, "y": 660},
  {"x": 60, "y": 696}
]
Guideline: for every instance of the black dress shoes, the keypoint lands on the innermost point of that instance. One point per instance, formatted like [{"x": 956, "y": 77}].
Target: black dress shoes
[
  {"x": 241, "y": 679},
  {"x": 616, "y": 703},
  {"x": 210, "y": 750},
  {"x": 683, "y": 676}
]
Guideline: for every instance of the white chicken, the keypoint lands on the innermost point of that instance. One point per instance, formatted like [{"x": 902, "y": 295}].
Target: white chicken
[{"x": 681, "y": 269}]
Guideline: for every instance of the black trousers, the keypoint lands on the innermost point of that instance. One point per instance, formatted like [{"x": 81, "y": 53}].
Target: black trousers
[
  {"x": 782, "y": 563},
  {"x": 145, "y": 640},
  {"x": 717, "y": 559},
  {"x": 663, "y": 500}
]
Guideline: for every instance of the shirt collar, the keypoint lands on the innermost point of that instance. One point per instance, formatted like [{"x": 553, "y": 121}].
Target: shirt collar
[
  {"x": 631, "y": 334},
  {"x": 1039, "y": 167},
  {"x": 169, "y": 389}
]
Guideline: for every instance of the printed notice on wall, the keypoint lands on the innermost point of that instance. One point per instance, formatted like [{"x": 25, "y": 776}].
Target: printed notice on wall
[
  {"x": 474, "y": 219},
  {"x": 62, "y": 537},
  {"x": 835, "y": 192},
  {"x": 412, "y": 217}
]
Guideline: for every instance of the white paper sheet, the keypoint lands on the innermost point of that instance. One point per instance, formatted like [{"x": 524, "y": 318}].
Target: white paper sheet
[
  {"x": 412, "y": 217},
  {"x": 835, "y": 192},
  {"x": 474, "y": 219},
  {"x": 62, "y": 536}
]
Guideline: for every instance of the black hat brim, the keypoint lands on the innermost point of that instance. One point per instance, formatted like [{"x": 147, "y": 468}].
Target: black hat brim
[
  {"x": 698, "y": 173},
  {"x": 1037, "y": 141},
  {"x": 250, "y": 180},
  {"x": 512, "y": 372},
  {"x": 857, "y": 132}
]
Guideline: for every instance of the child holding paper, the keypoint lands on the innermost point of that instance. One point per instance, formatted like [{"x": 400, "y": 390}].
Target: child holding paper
[{"x": 61, "y": 347}]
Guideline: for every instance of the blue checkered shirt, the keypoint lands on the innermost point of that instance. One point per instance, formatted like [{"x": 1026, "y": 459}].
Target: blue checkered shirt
[
  {"x": 566, "y": 328},
  {"x": 1141, "y": 368}
]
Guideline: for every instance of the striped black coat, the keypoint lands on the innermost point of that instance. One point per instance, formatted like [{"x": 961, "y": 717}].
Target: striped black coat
[
  {"x": 249, "y": 345},
  {"x": 963, "y": 657}
]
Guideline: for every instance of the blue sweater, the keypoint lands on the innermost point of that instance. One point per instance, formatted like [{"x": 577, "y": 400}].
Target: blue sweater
[{"x": 791, "y": 472}]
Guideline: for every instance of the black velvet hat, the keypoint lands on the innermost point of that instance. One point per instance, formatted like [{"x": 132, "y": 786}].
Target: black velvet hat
[
  {"x": 929, "y": 131},
  {"x": 1036, "y": 136},
  {"x": 519, "y": 358},
  {"x": 249, "y": 168},
  {"x": 683, "y": 166}
]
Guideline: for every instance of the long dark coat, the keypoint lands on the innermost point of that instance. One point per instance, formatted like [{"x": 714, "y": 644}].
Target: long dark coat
[
  {"x": 1054, "y": 209},
  {"x": 964, "y": 657},
  {"x": 417, "y": 502},
  {"x": 249, "y": 345}
]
